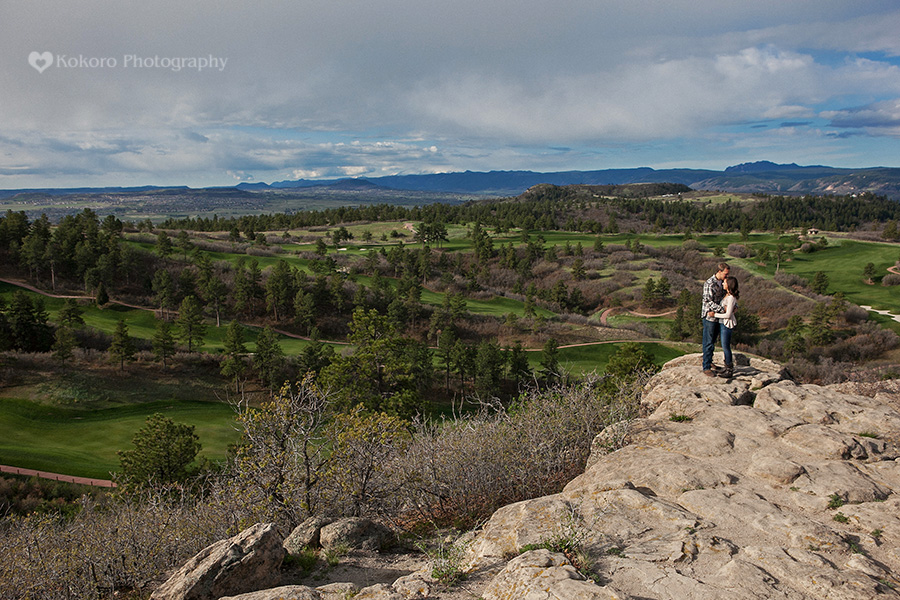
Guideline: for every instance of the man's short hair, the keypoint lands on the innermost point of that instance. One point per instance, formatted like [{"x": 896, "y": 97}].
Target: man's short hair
[{"x": 723, "y": 266}]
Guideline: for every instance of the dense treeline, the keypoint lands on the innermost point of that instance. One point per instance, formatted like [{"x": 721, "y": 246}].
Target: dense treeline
[{"x": 579, "y": 208}]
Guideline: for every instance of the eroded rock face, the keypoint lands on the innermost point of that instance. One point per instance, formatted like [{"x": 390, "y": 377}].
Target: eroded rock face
[
  {"x": 753, "y": 487},
  {"x": 247, "y": 562}
]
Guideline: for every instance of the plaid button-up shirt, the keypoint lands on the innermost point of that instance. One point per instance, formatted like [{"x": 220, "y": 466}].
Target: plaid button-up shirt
[{"x": 713, "y": 292}]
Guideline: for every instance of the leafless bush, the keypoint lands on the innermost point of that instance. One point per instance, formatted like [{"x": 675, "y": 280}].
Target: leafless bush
[
  {"x": 870, "y": 341},
  {"x": 107, "y": 548},
  {"x": 891, "y": 279},
  {"x": 693, "y": 245},
  {"x": 738, "y": 250},
  {"x": 618, "y": 258},
  {"x": 255, "y": 251},
  {"x": 856, "y": 314},
  {"x": 644, "y": 329},
  {"x": 543, "y": 268},
  {"x": 789, "y": 280},
  {"x": 823, "y": 372},
  {"x": 623, "y": 278},
  {"x": 466, "y": 468}
]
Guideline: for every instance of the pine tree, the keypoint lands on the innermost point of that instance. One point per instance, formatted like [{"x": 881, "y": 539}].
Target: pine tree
[
  {"x": 234, "y": 349},
  {"x": 122, "y": 347},
  {"x": 70, "y": 314},
  {"x": 163, "y": 451},
  {"x": 550, "y": 360},
  {"x": 163, "y": 245},
  {"x": 269, "y": 358},
  {"x": 819, "y": 284},
  {"x": 65, "y": 344},
  {"x": 102, "y": 297},
  {"x": 163, "y": 342},
  {"x": 190, "y": 323}
]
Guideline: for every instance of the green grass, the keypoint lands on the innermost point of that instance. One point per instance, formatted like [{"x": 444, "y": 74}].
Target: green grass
[
  {"x": 594, "y": 358},
  {"x": 843, "y": 261},
  {"x": 84, "y": 442}
]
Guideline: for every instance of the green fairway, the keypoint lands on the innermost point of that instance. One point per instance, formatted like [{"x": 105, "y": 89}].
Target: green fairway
[
  {"x": 84, "y": 443},
  {"x": 579, "y": 360},
  {"x": 843, "y": 262}
]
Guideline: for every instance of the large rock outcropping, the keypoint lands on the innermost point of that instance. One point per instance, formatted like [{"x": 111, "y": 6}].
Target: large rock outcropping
[{"x": 753, "y": 487}]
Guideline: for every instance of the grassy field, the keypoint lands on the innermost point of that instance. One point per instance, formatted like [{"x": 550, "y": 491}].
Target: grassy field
[
  {"x": 594, "y": 358},
  {"x": 843, "y": 261},
  {"x": 84, "y": 443}
]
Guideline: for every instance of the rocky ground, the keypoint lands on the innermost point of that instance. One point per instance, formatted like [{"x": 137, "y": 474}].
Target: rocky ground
[{"x": 752, "y": 487}]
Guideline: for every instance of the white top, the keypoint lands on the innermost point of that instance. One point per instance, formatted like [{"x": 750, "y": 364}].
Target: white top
[{"x": 727, "y": 318}]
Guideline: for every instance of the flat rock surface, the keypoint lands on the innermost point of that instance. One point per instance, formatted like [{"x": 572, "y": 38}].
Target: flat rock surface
[{"x": 748, "y": 487}]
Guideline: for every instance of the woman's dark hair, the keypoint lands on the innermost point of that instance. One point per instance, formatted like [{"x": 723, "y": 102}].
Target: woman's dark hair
[{"x": 733, "y": 286}]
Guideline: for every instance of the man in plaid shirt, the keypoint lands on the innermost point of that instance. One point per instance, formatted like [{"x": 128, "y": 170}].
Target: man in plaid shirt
[{"x": 712, "y": 296}]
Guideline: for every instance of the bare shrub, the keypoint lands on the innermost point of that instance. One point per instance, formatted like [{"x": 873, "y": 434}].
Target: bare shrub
[
  {"x": 466, "y": 468},
  {"x": 108, "y": 548},
  {"x": 221, "y": 246},
  {"x": 891, "y": 279},
  {"x": 870, "y": 341},
  {"x": 738, "y": 250},
  {"x": 543, "y": 268},
  {"x": 856, "y": 314},
  {"x": 256, "y": 251},
  {"x": 789, "y": 280},
  {"x": 824, "y": 372},
  {"x": 693, "y": 245},
  {"x": 620, "y": 257}
]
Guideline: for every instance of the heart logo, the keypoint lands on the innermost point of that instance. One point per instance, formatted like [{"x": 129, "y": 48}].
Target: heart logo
[{"x": 40, "y": 61}]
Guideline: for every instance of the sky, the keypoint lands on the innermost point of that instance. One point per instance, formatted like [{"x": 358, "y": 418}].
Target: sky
[{"x": 202, "y": 93}]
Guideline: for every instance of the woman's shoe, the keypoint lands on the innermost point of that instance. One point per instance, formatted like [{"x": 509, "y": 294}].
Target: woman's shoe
[{"x": 727, "y": 372}]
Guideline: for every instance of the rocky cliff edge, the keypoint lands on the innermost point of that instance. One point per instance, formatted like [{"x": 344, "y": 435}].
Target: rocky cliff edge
[{"x": 753, "y": 487}]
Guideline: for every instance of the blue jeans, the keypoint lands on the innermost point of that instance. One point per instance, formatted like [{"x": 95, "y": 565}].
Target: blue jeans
[
  {"x": 710, "y": 332},
  {"x": 726, "y": 345}
]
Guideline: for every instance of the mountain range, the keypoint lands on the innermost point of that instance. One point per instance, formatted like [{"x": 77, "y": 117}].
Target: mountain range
[{"x": 756, "y": 177}]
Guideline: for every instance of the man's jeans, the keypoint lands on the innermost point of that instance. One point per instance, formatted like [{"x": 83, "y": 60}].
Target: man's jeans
[{"x": 710, "y": 332}]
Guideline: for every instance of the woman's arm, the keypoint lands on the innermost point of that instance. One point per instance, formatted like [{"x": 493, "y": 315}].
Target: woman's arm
[{"x": 729, "y": 303}]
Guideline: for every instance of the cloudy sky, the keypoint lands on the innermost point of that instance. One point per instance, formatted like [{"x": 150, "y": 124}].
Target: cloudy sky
[{"x": 91, "y": 93}]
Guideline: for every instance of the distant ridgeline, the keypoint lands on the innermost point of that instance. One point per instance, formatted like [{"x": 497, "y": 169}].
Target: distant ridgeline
[{"x": 757, "y": 177}]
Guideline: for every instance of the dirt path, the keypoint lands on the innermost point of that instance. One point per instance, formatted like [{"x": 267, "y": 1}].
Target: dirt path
[
  {"x": 105, "y": 483},
  {"x": 31, "y": 288},
  {"x": 604, "y": 316}
]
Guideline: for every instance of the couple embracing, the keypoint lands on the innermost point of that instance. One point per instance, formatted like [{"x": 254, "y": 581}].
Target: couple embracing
[{"x": 720, "y": 294}]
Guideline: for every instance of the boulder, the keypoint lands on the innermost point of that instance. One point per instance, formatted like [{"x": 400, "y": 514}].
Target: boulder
[
  {"x": 356, "y": 533},
  {"x": 306, "y": 534},
  {"x": 379, "y": 591},
  {"x": 246, "y": 562},
  {"x": 338, "y": 591},
  {"x": 286, "y": 592},
  {"x": 544, "y": 575}
]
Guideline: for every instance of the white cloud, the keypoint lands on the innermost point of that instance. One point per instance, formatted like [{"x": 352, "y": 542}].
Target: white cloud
[{"x": 421, "y": 86}]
